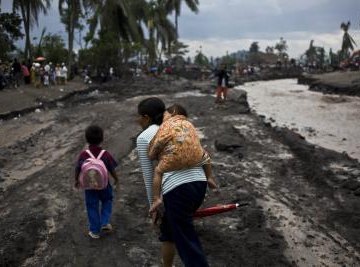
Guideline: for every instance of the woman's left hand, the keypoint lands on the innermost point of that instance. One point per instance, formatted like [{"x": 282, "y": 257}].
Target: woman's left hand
[
  {"x": 154, "y": 209},
  {"x": 156, "y": 204}
]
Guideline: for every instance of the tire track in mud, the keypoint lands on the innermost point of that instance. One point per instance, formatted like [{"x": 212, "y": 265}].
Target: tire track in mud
[{"x": 43, "y": 186}]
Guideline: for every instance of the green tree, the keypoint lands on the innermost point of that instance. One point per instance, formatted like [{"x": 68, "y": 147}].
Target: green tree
[
  {"x": 254, "y": 57},
  {"x": 269, "y": 50},
  {"x": 177, "y": 49},
  {"x": 348, "y": 42},
  {"x": 310, "y": 53},
  {"x": 175, "y": 5},
  {"x": 71, "y": 13},
  {"x": 228, "y": 60},
  {"x": 282, "y": 47},
  {"x": 122, "y": 17},
  {"x": 38, "y": 49},
  {"x": 254, "y": 47},
  {"x": 30, "y": 11},
  {"x": 10, "y": 24},
  {"x": 201, "y": 60},
  {"x": 125, "y": 19},
  {"x": 161, "y": 30},
  {"x": 53, "y": 47},
  {"x": 106, "y": 51},
  {"x": 315, "y": 54}
]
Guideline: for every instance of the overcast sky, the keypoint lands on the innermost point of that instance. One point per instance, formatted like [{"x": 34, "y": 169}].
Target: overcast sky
[{"x": 231, "y": 25}]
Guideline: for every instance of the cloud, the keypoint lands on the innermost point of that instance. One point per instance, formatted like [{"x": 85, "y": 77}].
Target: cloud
[
  {"x": 298, "y": 43},
  {"x": 235, "y": 20}
]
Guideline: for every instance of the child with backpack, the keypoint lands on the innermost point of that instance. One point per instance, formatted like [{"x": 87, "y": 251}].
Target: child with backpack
[
  {"x": 176, "y": 146},
  {"x": 92, "y": 174}
]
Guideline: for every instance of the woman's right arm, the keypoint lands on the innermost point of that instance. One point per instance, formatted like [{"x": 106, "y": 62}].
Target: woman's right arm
[{"x": 146, "y": 166}]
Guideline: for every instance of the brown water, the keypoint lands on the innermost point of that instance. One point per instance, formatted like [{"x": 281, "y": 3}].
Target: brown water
[{"x": 331, "y": 121}]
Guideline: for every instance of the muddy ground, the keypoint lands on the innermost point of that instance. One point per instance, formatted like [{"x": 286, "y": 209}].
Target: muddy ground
[
  {"x": 303, "y": 201},
  {"x": 337, "y": 82}
]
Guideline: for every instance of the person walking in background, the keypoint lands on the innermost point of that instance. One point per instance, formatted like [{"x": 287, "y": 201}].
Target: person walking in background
[
  {"x": 182, "y": 193},
  {"x": 99, "y": 219},
  {"x": 33, "y": 74},
  {"x": 47, "y": 74},
  {"x": 52, "y": 76},
  {"x": 17, "y": 72},
  {"x": 26, "y": 73},
  {"x": 222, "y": 84},
  {"x": 63, "y": 73},
  {"x": 37, "y": 80},
  {"x": 58, "y": 74}
]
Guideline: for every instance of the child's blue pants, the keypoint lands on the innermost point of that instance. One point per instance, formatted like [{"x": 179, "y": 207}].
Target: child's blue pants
[{"x": 98, "y": 216}]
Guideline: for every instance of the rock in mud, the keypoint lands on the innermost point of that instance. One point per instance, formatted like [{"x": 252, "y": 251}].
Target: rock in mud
[
  {"x": 351, "y": 185},
  {"x": 240, "y": 97},
  {"x": 228, "y": 143}
]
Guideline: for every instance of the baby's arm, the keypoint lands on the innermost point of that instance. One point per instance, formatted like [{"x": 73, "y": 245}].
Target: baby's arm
[
  {"x": 157, "y": 145},
  {"x": 206, "y": 165},
  {"x": 209, "y": 176},
  {"x": 158, "y": 175},
  {"x": 157, "y": 184}
]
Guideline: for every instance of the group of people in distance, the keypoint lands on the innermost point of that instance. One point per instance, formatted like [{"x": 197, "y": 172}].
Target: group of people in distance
[{"x": 38, "y": 73}]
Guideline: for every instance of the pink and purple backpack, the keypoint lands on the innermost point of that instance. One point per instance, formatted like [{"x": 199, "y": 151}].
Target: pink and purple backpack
[{"x": 94, "y": 174}]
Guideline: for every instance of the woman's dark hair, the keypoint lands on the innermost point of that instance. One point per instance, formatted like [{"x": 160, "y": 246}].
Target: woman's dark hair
[
  {"x": 154, "y": 108},
  {"x": 94, "y": 135},
  {"x": 177, "y": 109}
]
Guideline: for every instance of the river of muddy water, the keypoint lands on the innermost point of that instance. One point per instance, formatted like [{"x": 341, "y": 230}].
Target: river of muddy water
[{"x": 330, "y": 121}]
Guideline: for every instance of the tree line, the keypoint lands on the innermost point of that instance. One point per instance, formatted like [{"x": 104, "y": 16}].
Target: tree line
[{"x": 108, "y": 32}]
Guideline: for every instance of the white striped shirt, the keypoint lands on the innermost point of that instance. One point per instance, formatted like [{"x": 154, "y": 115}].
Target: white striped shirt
[{"x": 170, "y": 179}]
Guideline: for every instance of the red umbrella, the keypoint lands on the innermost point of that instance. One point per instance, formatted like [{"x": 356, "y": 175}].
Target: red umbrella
[{"x": 216, "y": 210}]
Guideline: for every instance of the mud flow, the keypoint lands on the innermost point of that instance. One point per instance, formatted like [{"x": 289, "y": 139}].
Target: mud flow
[{"x": 300, "y": 201}]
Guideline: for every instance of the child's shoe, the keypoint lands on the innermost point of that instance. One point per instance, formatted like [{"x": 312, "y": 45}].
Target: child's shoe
[
  {"x": 107, "y": 228},
  {"x": 94, "y": 236}
]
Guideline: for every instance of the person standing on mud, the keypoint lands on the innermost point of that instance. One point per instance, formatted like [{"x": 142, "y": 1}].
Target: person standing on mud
[
  {"x": 26, "y": 73},
  {"x": 182, "y": 193},
  {"x": 222, "y": 84}
]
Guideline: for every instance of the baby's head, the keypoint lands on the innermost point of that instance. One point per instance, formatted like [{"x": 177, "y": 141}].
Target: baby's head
[
  {"x": 94, "y": 135},
  {"x": 173, "y": 110}
]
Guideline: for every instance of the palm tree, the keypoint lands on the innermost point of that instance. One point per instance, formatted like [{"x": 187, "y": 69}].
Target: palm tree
[
  {"x": 121, "y": 22},
  {"x": 39, "y": 51},
  {"x": 118, "y": 16},
  {"x": 161, "y": 30},
  {"x": 30, "y": 11},
  {"x": 175, "y": 5},
  {"x": 70, "y": 12},
  {"x": 348, "y": 42}
]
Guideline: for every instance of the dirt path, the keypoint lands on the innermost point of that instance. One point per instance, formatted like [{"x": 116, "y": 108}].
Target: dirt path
[{"x": 302, "y": 205}]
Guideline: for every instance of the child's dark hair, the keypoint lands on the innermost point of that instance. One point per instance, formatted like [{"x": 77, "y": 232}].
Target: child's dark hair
[
  {"x": 94, "y": 135},
  {"x": 177, "y": 109},
  {"x": 154, "y": 108}
]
